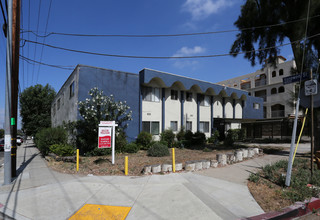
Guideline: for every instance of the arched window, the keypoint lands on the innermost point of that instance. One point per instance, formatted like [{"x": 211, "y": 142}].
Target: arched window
[
  {"x": 273, "y": 91},
  {"x": 274, "y": 74},
  {"x": 280, "y": 72},
  {"x": 281, "y": 89}
]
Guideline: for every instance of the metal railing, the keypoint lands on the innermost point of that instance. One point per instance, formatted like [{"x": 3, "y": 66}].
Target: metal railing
[
  {"x": 245, "y": 85},
  {"x": 277, "y": 113},
  {"x": 260, "y": 82}
]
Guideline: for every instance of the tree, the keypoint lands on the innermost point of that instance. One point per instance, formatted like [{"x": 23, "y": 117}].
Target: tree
[
  {"x": 1, "y": 133},
  {"x": 35, "y": 108},
  {"x": 291, "y": 15},
  {"x": 99, "y": 108}
]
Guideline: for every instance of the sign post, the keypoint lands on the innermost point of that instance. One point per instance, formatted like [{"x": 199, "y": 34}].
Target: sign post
[{"x": 106, "y": 138}]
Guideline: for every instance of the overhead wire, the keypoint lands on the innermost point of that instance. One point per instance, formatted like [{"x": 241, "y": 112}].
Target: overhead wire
[
  {"x": 35, "y": 48},
  {"x": 164, "y": 35},
  {"x": 28, "y": 36},
  {"x": 32, "y": 62},
  {"x": 44, "y": 39},
  {"x": 22, "y": 48},
  {"x": 162, "y": 57}
]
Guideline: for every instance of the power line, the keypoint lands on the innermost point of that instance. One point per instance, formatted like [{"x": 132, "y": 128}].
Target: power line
[
  {"x": 162, "y": 57},
  {"x": 44, "y": 39},
  {"x": 35, "y": 48},
  {"x": 165, "y": 35},
  {"x": 33, "y": 62}
]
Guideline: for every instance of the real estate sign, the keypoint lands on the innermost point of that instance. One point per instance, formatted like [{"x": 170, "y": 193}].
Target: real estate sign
[{"x": 104, "y": 137}]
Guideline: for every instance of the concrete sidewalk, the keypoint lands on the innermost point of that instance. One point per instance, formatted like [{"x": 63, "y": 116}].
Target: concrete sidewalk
[{"x": 216, "y": 193}]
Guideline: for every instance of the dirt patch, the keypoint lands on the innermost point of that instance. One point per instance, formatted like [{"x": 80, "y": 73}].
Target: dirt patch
[
  {"x": 101, "y": 165},
  {"x": 268, "y": 195}
]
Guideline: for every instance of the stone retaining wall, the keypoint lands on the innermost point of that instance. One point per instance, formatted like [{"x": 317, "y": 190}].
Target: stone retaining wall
[{"x": 220, "y": 161}]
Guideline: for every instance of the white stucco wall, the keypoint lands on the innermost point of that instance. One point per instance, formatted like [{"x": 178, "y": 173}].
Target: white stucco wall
[
  {"x": 228, "y": 108},
  {"x": 190, "y": 112},
  {"x": 217, "y": 107},
  {"x": 238, "y": 109},
  {"x": 172, "y": 109}
]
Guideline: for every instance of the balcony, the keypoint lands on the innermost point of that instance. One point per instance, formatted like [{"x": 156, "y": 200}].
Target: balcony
[
  {"x": 245, "y": 86},
  {"x": 261, "y": 82},
  {"x": 277, "y": 113}
]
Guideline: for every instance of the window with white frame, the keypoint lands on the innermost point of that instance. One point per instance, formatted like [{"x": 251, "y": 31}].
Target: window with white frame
[
  {"x": 151, "y": 127},
  {"x": 174, "y": 94},
  {"x": 189, "y": 126},
  {"x": 174, "y": 125},
  {"x": 204, "y": 100},
  {"x": 204, "y": 126},
  {"x": 150, "y": 94}
]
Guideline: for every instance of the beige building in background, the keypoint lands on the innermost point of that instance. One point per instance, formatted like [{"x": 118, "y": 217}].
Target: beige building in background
[{"x": 267, "y": 84}]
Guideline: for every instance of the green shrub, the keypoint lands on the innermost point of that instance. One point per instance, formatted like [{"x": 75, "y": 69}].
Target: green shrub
[
  {"x": 254, "y": 177},
  {"x": 214, "y": 137},
  {"x": 144, "y": 140},
  {"x": 50, "y": 136},
  {"x": 121, "y": 142},
  {"x": 181, "y": 135},
  {"x": 131, "y": 148},
  {"x": 99, "y": 152},
  {"x": 199, "y": 138},
  {"x": 188, "y": 138},
  {"x": 242, "y": 134},
  {"x": 168, "y": 136},
  {"x": 158, "y": 150},
  {"x": 62, "y": 149},
  {"x": 207, "y": 149},
  {"x": 232, "y": 136}
]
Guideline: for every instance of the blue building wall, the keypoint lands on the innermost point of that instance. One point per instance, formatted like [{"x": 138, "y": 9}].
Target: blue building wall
[{"x": 124, "y": 86}]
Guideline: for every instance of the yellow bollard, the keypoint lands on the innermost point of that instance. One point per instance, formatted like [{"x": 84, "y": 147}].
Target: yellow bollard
[
  {"x": 173, "y": 161},
  {"x": 126, "y": 165},
  {"x": 77, "y": 160}
]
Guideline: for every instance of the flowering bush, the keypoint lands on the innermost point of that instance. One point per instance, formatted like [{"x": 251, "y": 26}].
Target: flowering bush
[{"x": 99, "y": 108}]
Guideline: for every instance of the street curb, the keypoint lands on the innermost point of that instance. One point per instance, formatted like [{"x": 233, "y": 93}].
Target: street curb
[{"x": 296, "y": 210}]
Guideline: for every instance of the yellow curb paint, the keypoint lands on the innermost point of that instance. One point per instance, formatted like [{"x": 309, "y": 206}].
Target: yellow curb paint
[
  {"x": 173, "y": 161},
  {"x": 101, "y": 212},
  {"x": 77, "y": 160},
  {"x": 126, "y": 165}
]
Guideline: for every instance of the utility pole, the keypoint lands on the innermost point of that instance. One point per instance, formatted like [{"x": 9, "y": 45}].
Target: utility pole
[
  {"x": 7, "y": 142},
  {"x": 15, "y": 80},
  {"x": 312, "y": 131}
]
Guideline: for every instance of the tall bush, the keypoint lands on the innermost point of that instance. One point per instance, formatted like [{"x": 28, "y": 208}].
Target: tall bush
[
  {"x": 144, "y": 140},
  {"x": 232, "y": 136},
  {"x": 199, "y": 138},
  {"x": 158, "y": 150},
  {"x": 168, "y": 136},
  {"x": 50, "y": 136}
]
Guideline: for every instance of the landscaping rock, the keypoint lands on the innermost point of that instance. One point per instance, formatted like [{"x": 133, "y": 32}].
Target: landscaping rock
[
  {"x": 146, "y": 169},
  {"x": 166, "y": 168},
  {"x": 198, "y": 165},
  {"x": 205, "y": 164},
  {"x": 222, "y": 159},
  {"x": 190, "y": 166},
  {"x": 260, "y": 151},
  {"x": 214, "y": 163},
  {"x": 238, "y": 155},
  {"x": 250, "y": 152},
  {"x": 156, "y": 168},
  {"x": 244, "y": 153},
  {"x": 230, "y": 158},
  {"x": 256, "y": 151},
  {"x": 178, "y": 166}
]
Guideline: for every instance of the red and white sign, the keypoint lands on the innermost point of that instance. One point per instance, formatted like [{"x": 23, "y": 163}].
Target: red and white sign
[
  {"x": 107, "y": 123},
  {"x": 104, "y": 137}
]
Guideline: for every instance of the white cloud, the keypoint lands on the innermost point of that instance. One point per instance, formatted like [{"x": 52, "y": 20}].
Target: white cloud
[
  {"x": 186, "y": 51},
  {"x": 201, "y": 9}
]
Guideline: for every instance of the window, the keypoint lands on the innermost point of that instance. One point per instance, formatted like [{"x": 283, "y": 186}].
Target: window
[
  {"x": 54, "y": 109},
  {"x": 273, "y": 91},
  {"x": 281, "y": 89},
  {"x": 58, "y": 104},
  {"x": 62, "y": 99},
  {"x": 189, "y": 126},
  {"x": 150, "y": 94},
  {"x": 189, "y": 96},
  {"x": 174, "y": 94},
  {"x": 256, "y": 105},
  {"x": 274, "y": 74},
  {"x": 71, "y": 88},
  {"x": 204, "y": 100},
  {"x": 204, "y": 126},
  {"x": 174, "y": 125},
  {"x": 151, "y": 127},
  {"x": 281, "y": 72}
]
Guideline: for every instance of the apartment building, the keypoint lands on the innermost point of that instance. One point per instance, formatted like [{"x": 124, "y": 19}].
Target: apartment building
[
  {"x": 159, "y": 101},
  {"x": 267, "y": 83}
]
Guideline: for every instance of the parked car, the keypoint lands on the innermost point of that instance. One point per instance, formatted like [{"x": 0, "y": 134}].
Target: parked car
[
  {"x": 19, "y": 140},
  {"x": 1, "y": 144}
]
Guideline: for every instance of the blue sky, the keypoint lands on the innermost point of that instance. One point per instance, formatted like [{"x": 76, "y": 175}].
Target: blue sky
[{"x": 129, "y": 17}]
